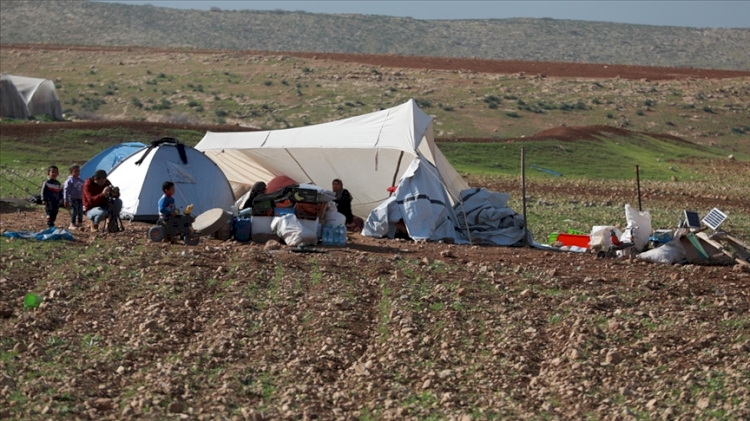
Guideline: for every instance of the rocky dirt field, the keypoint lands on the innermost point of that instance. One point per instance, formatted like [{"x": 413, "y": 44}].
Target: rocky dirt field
[{"x": 380, "y": 329}]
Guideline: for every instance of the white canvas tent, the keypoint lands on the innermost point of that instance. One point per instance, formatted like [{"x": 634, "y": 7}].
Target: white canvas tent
[
  {"x": 369, "y": 153},
  {"x": 39, "y": 97},
  {"x": 198, "y": 180}
]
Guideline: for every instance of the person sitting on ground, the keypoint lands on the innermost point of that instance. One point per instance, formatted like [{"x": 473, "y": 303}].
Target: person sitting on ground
[
  {"x": 169, "y": 215},
  {"x": 344, "y": 205},
  {"x": 101, "y": 200},
  {"x": 257, "y": 189},
  {"x": 51, "y": 195},
  {"x": 73, "y": 196}
]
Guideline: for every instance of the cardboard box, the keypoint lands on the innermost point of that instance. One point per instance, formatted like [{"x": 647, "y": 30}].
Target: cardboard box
[{"x": 305, "y": 195}]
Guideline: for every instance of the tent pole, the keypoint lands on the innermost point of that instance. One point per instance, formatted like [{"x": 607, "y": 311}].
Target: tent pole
[
  {"x": 638, "y": 183},
  {"x": 466, "y": 218},
  {"x": 523, "y": 191},
  {"x": 398, "y": 167}
]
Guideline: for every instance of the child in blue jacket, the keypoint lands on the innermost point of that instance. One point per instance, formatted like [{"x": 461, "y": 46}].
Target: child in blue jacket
[{"x": 73, "y": 196}]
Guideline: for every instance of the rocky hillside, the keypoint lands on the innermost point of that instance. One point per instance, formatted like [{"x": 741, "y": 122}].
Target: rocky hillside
[{"x": 90, "y": 23}]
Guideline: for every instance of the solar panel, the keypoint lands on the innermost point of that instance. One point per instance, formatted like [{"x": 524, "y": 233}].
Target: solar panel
[
  {"x": 692, "y": 220},
  {"x": 714, "y": 218}
]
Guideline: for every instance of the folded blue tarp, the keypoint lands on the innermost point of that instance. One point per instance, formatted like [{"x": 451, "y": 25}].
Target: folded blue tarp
[{"x": 48, "y": 234}]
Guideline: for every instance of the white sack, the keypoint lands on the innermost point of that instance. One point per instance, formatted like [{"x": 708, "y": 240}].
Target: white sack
[
  {"x": 669, "y": 253},
  {"x": 600, "y": 236},
  {"x": 335, "y": 219},
  {"x": 291, "y": 230},
  {"x": 638, "y": 229}
]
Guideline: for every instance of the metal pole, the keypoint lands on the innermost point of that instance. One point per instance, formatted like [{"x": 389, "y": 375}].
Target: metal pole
[
  {"x": 523, "y": 191},
  {"x": 638, "y": 182}
]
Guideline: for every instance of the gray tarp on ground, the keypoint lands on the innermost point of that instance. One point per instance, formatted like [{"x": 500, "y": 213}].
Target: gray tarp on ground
[{"x": 489, "y": 219}]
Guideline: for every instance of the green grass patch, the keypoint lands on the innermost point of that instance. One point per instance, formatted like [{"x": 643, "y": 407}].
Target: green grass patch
[{"x": 609, "y": 158}]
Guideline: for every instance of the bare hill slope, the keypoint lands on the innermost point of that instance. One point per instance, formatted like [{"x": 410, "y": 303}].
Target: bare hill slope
[{"x": 87, "y": 23}]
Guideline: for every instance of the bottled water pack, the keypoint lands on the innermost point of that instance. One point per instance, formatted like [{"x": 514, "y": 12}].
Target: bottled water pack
[{"x": 334, "y": 235}]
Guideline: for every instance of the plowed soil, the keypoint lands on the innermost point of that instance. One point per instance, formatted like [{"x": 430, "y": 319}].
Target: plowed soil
[{"x": 532, "y": 68}]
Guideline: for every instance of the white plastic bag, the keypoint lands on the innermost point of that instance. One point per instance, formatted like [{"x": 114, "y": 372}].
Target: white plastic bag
[
  {"x": 638, "y": 229},
  {"x": 291, "y": 230}
]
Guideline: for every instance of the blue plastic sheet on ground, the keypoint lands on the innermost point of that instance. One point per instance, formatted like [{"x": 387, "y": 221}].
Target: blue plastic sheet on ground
[
  {"x": 48, "y": 234},
  {"x": 548, "y": 171}
]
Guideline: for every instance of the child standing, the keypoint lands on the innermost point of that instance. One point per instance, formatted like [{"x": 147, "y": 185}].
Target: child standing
[
  {"x": 51, "y": 195},
  {"x": 73, "y": 196}
]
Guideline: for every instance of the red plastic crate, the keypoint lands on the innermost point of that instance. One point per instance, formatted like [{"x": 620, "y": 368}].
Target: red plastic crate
[{"x": 574, "y": 240}]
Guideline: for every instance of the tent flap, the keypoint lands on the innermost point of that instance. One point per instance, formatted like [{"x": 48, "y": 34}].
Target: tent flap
[{"x": 422, "y": 203}]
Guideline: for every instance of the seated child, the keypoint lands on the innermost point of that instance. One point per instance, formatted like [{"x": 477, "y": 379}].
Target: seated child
[{"x": 168, "y": 214}]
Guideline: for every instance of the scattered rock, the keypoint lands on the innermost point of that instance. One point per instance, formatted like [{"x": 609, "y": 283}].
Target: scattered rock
[
  {"x": 272, "y": 245},
  {"x": 447, "y": 253},
  {"x": 613, "y": 357},
  {"x": 103, "y": 404},
  {"x": 176, "y": 407}
]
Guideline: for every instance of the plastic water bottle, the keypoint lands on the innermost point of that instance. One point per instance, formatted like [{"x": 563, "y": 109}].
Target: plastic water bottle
[
  {"x": 327, "y": 235},
  {"x": 341, "y": 235}
]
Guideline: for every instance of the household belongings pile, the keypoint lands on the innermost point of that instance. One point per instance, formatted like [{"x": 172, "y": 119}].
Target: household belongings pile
[
  {"x": 198, "y": 180},
  {"x": 370, "y": 153},
  {"x": 294, "y": 214},
  {"x": 688, "y": 243}
]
